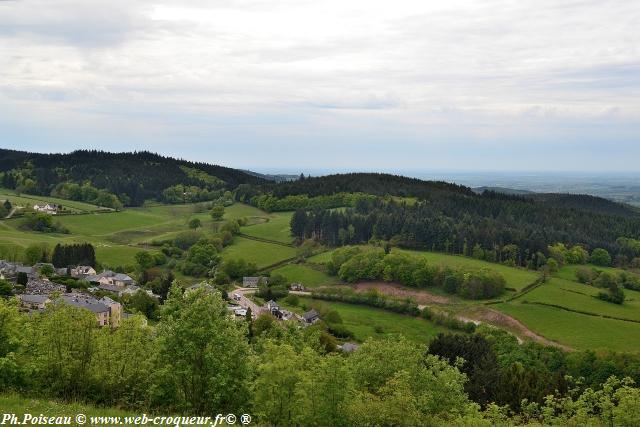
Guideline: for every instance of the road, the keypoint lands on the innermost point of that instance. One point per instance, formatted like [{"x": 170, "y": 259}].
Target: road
[{"x": 246, "y": 302}]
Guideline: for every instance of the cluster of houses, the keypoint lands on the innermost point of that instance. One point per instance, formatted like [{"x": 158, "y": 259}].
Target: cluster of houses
[
  {"x": 48, "y": 208},
  {"x": 40, "y": 291}
]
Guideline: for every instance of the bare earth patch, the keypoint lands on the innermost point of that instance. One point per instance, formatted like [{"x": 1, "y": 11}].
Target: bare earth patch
[
  {"x": 399, "y": 291},
  {"x": 496, "y": 318}
]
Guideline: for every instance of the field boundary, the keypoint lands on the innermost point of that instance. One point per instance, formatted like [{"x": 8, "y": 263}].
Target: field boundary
[
  {"x": 586, "y": 313},
  {"x": 263, "y": 240},
  {"x": 268, "y": 268}
]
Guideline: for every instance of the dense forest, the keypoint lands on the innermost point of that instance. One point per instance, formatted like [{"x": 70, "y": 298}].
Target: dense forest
[{"x": 131, "y": 177}]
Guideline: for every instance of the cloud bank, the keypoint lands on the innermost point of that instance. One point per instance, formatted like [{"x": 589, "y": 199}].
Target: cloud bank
[{"x": 301, "y": 85}]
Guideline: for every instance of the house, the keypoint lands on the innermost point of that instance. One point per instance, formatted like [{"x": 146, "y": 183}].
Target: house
[
  {"x": 108, "y": 277},
  {"x": 253, "y": 282},
  {"x": 107, "y": 311},
  {"x": 240, "y": 311},
  {"x": 311, "y": 316},
  {"x": 82, "y": 271},
  {"x": 31, "y": 272},
  {"x": 115, "y": 311},
  {"x": 48, "y": 208},
  {"x": 297, "y": 287},
  {"x": 273, "y": 308},
  {"x": 34, "y": 302}
]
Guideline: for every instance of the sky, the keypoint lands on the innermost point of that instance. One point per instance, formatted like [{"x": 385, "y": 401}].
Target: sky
[{"x": 308, "y": 85}]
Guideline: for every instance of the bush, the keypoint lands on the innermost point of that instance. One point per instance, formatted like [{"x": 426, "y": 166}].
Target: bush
[{"x": 600, "y": 257}]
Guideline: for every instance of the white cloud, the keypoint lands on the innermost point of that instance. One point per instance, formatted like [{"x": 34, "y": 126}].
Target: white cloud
[{"x": 399, "y": 71}]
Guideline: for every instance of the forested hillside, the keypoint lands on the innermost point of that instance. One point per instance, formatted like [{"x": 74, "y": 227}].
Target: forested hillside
[{"x": 131, "y": 177}]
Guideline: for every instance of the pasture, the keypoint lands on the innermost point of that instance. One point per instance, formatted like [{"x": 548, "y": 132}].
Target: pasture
[
  {"x": 308, "y": 276},
  {"x": 581, "y": 297},
  {"x": 117, "y": 236},
  {"x": 366, "y": 322},
  {"x": 28, "y": 200},
  {"x": 576, "y": 330},
  {"x": 274, "y": 226},
  {"x": 517, "y": 278},
  {"x": 261, "y": 253}
]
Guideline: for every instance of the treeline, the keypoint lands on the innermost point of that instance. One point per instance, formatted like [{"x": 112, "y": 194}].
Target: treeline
[
  {"x": 353, "y": 264},
  {"x": 503, "y": 229},
  {"x": 199, "y": 361},
  {"x": 73, "y": 255},
  {"x": 84, "y": 193},
  {"x": 270, "y": 203},
  {"x": 131, "y": 177}
]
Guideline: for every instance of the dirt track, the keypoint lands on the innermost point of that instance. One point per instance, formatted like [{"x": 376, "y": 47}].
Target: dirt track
[{"x": 399, "y": 291}]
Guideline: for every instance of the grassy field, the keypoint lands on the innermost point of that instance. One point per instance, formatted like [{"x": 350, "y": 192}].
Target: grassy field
[
  {"x": 576, "y": 330},
  {"x": 516, "y": 278},
  {"x": 30, "y": 200},
  {"x": 117, "y": 234},
  {"x": 363, "y": 321},
  {"x": 276, "y": 228},
  {"x": 308, "y": 276},
  {"x": 568, "y": 272},
  {"x": 580, "y": 297},
  {"x": 19, "y": 405},
  {"x": 263, "y": 254}
]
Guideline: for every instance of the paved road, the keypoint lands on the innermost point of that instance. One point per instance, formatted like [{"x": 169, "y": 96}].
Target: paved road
[{"x": 246, "y": 302}]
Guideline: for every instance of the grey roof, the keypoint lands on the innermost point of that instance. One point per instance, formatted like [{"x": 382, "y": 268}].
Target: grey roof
[
  {"x": 35, "y": 299},
  {"x": 88, "y": 303},
  {"x": 110, "y": 288},
  {"x": 310, "y": 315},
  {"x": 25, "y": 269},
  {"x": 122, "y": 277}
]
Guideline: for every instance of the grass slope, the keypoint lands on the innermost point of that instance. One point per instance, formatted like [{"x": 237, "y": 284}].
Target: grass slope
[
  {"x": 362, "y": 321},
  {"x": 276, "y": 228},
  {"x": 308, "y": 276},
  {"x": 30, "y": 200},
  {"x": 580, "y": 297},
  {"x": 576, "y": 330},
  {"x": 261, "y": 253}
]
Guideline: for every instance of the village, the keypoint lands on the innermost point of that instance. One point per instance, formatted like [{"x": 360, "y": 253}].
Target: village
[{"x": 36, "y": 291}]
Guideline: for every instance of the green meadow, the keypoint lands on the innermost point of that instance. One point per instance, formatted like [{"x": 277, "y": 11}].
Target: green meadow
[
  {"x": 307, "y": 275},
  {"x": 366, "y": 322},
  {"x": 576, "y": 330},
  {"x": 275, "y": 227},
  {"x": 261, "y": 253},
  {"x": 581, "y": 297},
  {"x": 27, "y": 200},
  {"x": 517, "y": 278}
]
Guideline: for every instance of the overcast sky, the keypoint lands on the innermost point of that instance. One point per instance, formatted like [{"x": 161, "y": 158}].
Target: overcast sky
[{"x": 303, "y": 85}]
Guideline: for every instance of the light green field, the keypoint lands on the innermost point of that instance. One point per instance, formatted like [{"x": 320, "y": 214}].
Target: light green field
[
  {"x": 362, "y": 321},
  {"x": 30, "y": 200},
  {"x": 579, "y": 331},
  {"x": 577, "y": 296},
  {"x": 262, "y": 254},
  {"x": 308, "y": 276},
  {"x": 568, "y": 272},
  {"x": 116, "y": 234},
  {"x": 19, "y": 405},
  {"x": 321, "y": 258},
  {"x": 516, "y": 278},
  {"x": 276, "y": 228}
]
